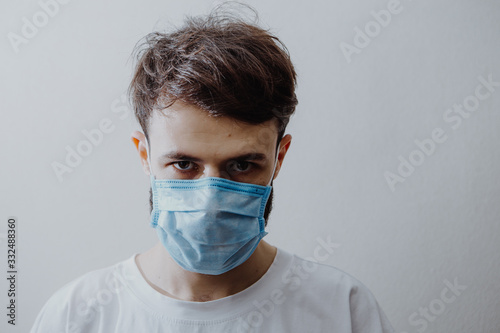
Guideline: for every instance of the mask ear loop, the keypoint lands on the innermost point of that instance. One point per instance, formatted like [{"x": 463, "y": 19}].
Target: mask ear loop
[
  {"x": 148, "y": 150},
  {"x": 275, "y": 163},
  {"x": 154, "y": 212}
]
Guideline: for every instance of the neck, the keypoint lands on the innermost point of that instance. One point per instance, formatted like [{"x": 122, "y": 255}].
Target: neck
[{"x": 167, "y": 277}]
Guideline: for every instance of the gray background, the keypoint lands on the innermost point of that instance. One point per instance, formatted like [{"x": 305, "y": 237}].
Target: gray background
[{"x": 354, "y": 119}]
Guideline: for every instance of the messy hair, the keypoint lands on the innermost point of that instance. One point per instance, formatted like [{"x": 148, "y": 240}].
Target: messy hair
[{"x": 220, "y": 63}]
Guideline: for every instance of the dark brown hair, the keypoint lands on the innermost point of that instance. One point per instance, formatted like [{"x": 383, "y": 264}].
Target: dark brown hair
[{"x": 220, "y": 63}]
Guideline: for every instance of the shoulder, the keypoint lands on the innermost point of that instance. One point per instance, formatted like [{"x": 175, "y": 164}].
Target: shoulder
[
  {"x": 335, "y": 291},
  {"x": 322, "y": 276},
  {"x": 77, "y": 301},
  {"x": 87, "y": 286}
]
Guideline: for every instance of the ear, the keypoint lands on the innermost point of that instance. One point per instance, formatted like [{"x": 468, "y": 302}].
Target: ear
[
  {"x": 139, "y": 140},
  {"x": 284, "y": 145}
]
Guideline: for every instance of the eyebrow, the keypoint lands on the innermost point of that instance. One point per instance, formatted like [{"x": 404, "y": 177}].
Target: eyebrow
[{"x": 175, "y": 155}]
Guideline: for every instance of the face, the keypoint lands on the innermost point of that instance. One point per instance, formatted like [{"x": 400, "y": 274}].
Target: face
[{"x": 187, "y": 143}]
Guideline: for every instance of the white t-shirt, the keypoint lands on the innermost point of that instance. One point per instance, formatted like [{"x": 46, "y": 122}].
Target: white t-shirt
[{"x": 294, "y": 295}]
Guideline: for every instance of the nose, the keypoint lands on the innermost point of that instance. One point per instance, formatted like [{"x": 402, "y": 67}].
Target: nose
[{"x": 212, "y": 171}]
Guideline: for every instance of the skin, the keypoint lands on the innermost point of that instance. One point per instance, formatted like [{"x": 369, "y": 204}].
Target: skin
[{"x": 215, "y": 142}]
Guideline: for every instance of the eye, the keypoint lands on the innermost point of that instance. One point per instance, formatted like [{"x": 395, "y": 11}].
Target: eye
[
  {"x": 183, "y": 165},
  {"x": 240, "y": 166}
]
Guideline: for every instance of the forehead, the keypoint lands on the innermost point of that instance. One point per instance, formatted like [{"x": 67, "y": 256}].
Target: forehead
[{"x": 189, "y": 128}]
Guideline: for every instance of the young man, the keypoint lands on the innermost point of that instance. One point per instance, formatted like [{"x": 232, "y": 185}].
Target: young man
[{"x": 213, "y": 99}]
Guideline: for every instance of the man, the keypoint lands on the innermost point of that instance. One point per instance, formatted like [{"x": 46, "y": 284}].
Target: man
[{"x": 213, "y": 99}]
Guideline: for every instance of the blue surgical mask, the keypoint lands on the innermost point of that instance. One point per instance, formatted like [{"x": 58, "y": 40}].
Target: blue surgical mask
[{"x": 209, "y": 225}]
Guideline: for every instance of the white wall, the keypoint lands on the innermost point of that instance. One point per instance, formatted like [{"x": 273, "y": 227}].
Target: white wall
[{"x": 353, "y": 121}]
